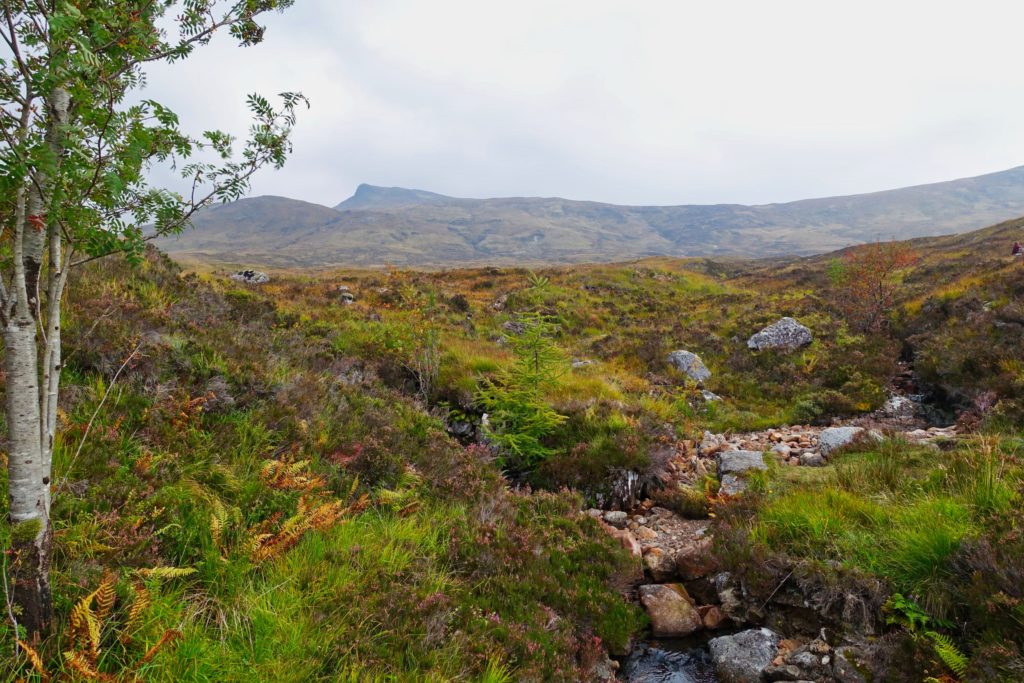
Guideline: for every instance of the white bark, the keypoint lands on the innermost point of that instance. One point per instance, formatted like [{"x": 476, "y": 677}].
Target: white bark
[{"x": 29, "y": 495}]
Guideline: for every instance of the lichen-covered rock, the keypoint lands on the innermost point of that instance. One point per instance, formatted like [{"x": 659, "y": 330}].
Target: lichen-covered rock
[
  {"x": 672, "y": 612},
  {"x": 834, "y": 438},
  {"x": 250, "y": 277},
  {"x": 689, "y": 363},
  {"x": 742, "y": 657},
  {"x": 786, "y": 334}
]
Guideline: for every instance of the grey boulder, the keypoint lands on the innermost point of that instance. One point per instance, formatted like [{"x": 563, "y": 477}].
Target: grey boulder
[
  {"x": 742, "y": 657},
  {"x": 834, "y": 438},
  {"x": 786, "y": 334},
  {"x": 689, "y": 363}
]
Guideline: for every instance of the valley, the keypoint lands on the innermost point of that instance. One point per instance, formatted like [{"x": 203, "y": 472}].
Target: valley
[{"x": 598, "y": 472}]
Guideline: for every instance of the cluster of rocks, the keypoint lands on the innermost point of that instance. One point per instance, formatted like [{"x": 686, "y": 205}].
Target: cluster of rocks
[
  {"x": 785, "y": 335},
  {"x": 797, "y": 445},
  {"x": 250, "y": 277},
  {"x": 760, "y": 654}
]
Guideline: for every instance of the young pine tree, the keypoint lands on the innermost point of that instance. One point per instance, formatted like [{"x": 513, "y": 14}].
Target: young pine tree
[
  {"x": 518, "y": 412},
  {"x": 74, "y": 157}
]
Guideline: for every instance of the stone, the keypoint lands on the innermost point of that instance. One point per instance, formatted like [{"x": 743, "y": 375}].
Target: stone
[
  {"x": 731, "y": 485},
  {"x": 843, "y": 671},
  {"x": 689, "y": 363},
  {"x": 659, "y": 564},
  {"x": 710, "y": 396},
  {"x": 625, "y": 538},
  {"x": 644, "y": 533},
  {"x": 347, "y": 298},
  {"x": 250, "y": 277},
  {"x": 617, "y": 518},
  {"x": 713, "y": 617},
  {"x": 785, "y": 334},
  {"x": 782, "y": 450},
  {"x": 696, "y": 561},
  {"x": 513, "y": 327},
  {"x": 581, "y": 363},
  {"x": 834, "y": 438},
  {"x": 741, "y": 658},
  {"x": 670, "y": 609},
  {"x": 898, "y": 407},
  {"x": 782, "y": 672},
  {"x": 812, "y": 460},
  {"x": 740, "y": 462}
]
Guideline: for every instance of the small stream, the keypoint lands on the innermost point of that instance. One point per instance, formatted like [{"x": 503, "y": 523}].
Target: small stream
[{"x": 684, "y": 660}]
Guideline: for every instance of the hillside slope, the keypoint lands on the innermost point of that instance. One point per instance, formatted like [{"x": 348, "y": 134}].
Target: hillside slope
[{"x": 379, "y": 226}]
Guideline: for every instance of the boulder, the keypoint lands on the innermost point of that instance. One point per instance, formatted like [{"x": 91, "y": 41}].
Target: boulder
[
  {"x": 696, "y": 561},
  {"x": 731, "y": 485},
  {"x": 659, "y": 564},
  {"x": 740, "y": 462},
  {"x": 741, "y": 658},
  {"x": 250, "y": 277},
  {"x": 347, "y": 297},
  {"x": 834, "y": 438},
  {"x": 785, "y": 334},
  {"x": 812, "y": 460},
  {"x": 617, "y": 518},
  {"x": 690, "y": 364},
  {"x": 714, "y": 618},
  {"x": 672, "y": 613}
]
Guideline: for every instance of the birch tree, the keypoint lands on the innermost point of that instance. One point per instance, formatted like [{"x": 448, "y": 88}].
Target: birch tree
[{"x": 75, "y": 153}]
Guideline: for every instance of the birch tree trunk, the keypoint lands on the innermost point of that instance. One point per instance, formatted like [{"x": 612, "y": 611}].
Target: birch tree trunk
[{"x": 31, "y": 408}]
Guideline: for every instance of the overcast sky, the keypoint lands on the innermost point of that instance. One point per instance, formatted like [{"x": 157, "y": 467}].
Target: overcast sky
[{"x": 625, "y": 101}]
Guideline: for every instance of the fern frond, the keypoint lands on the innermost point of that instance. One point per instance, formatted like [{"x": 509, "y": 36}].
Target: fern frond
[
  {"x": 139, "y": 604},
  {"x": 169, "y": 636},
  {"x": 35, "y": 659},
  {"x": 951, "y": 655},
  {"x": 105, "y": 596},
  {"x": 78, "y": 662},
  {"x": 162, "y": 573}
]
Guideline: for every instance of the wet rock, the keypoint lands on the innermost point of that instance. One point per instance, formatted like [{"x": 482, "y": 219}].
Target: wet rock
[
  {"x": 898, "y": 407},
  {"x": 671, "y": 610},
  {"x": 689, "y": 363},
  {"x": 250, "y": 277},
  {"x": 785, "y": 334},
  {"x": 713, "y": 617},
  {"x": 834, "y": 438},
  {"x": 651, "y": 665},
  {"x": 742, "y": 657},
  {"x": 843, "y": 670}
]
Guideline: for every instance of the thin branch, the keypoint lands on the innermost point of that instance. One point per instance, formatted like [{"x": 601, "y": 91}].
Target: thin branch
[{"x": 92, "y": 419}]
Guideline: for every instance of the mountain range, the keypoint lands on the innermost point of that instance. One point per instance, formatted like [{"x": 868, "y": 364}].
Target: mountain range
[{"x": 396, "y": 226}]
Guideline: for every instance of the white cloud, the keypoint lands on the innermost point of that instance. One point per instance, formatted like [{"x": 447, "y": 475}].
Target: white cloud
[{"x": 640, "y": 102}]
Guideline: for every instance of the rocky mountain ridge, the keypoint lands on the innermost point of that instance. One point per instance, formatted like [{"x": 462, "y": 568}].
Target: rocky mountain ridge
[{"x": 380, "y": 226}]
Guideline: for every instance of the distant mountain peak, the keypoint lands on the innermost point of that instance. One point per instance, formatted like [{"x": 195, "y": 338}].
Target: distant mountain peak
[{"x": 377, "y": 197}]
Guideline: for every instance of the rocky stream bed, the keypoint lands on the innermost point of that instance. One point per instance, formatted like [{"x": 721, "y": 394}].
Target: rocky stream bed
[{"x": 705, "y": 626}]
